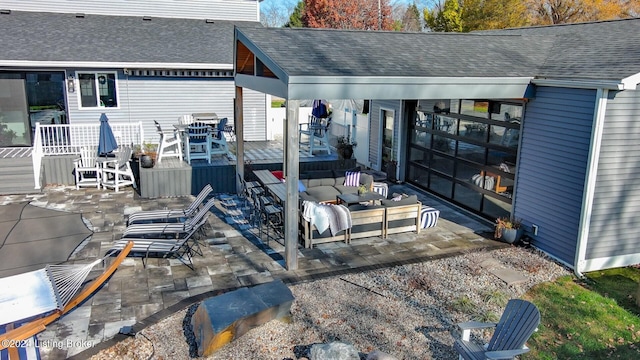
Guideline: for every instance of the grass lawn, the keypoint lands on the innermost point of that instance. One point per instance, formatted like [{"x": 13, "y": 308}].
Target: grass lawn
[{"x": 591, "y": 318}]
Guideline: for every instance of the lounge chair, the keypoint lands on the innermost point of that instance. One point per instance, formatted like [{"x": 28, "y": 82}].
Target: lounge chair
[
  {"x": 181, "y": 247},
  {"x": 168, "y": 230},
  {"x": 518, "y": 322},
  {"x": 171, "y": 215}
]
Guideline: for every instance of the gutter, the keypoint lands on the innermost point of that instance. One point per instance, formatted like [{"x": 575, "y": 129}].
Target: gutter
[
  {"x": 590, "y": 182},
  {"x": 116, "y": 65},
  {"x": 585, "y": 84}
]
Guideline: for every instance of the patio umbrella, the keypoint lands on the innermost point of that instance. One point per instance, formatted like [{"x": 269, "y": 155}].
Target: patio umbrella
[
  {"x": 107, "y": 142},
  {"x": 32, "y": 237}
]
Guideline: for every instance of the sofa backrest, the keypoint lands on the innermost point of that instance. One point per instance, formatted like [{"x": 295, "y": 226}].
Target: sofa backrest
[{"x": 331, "y": 178}]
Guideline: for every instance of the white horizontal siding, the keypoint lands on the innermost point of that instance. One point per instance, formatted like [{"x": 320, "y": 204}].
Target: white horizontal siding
[
  {"x": 255, "y": 115},
  {"x": 165, "y": 99},
  {"x": 555, "y": 146},
  {"x": 238, "y": 10},
  {"x": 616, "y": 204}
]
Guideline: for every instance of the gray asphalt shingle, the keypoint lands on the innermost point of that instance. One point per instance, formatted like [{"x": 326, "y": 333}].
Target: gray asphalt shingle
[
  {"x": 36, "y": 36},
  {"x": 366, "y": 53}
]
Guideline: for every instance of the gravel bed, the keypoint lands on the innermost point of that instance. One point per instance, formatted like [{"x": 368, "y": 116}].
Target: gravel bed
[{"x": 408, "y": 311}]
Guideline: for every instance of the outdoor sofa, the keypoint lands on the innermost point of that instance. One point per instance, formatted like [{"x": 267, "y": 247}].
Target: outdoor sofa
[
  {"x": 326, "y": 185},
  {"x": 388, "y": 217}
]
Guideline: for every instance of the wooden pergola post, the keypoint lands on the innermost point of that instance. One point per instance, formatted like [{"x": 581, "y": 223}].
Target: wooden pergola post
[
  {"x": 239, "y": 128},
  {"x": 292, "y": 173}
]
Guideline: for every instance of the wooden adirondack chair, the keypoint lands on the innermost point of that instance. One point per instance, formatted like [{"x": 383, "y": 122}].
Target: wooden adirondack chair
[{"x": 518, "y": 322}]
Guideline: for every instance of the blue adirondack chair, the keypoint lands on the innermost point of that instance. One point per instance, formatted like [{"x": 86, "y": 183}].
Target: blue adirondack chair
[{"x": 518, "y": 322}]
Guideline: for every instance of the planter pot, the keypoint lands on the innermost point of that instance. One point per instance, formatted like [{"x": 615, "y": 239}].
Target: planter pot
[
  {"x": 345, "y": 152},
  {"x": 511, "y": 236},
  {"x": 146, "y": 161}
]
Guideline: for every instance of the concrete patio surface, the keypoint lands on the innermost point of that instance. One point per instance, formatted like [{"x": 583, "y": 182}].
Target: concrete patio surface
[{"x": 232, "y": 257}]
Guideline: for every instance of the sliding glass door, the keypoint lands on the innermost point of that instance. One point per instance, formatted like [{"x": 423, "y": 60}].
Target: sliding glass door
[{"x": 27, "y": 98}]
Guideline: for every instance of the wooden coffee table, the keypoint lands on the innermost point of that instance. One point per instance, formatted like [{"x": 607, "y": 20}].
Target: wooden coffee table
[{"x": 350, "y": 199}]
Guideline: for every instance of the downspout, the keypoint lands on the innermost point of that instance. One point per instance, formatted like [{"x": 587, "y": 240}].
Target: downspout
[{"x": 590, "y": 180}]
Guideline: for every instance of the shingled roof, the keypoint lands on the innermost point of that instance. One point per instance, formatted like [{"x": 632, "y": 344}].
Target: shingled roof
[
  {"x": 482, "y": 64},
  {"x": 70, "y": 39},
  {"x": 330, "y": 52},
  {"x": 604, "y": 50}
]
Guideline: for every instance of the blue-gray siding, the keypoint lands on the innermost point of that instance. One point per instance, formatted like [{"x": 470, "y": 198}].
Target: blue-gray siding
[
  {"x": 553, "y": 156},
  {"x": 246, "y": 10},
  {"x": 614, "y": 219},
  {"x": 165, "y": 99}
]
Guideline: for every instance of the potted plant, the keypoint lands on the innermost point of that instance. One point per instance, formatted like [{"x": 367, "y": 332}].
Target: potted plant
[
  {"x": 345, "y": 147},
  {"x": 508, "y": 229},
  {"x": 149, "y": 155},
  {"x": 362, "y": 190}
]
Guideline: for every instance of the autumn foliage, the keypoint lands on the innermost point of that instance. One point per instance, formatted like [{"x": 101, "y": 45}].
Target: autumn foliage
[{"x": 347, "y": 14}]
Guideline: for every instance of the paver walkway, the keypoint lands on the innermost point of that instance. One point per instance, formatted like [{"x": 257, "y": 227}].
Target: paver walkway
[{"x": 232, "y": 257}]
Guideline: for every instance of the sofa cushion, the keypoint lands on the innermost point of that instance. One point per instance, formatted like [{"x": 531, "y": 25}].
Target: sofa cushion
[
  {"x": 321, "y": 182},
  {"x": 323, "y": 193},
  {"x": 351, "y": 178},
  {"x": 346, "y": 189},
  {"x": 410, "y": 200}
]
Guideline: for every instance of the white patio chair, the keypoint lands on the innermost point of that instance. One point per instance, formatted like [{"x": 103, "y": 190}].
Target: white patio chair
[
  {"x": 86, "y": 168},
  {"x": 199, "y": 136},
  {"x": 185, "y": 119},
  {"x": 168, "y": 146},
  {"x": 117, "y": 173}
]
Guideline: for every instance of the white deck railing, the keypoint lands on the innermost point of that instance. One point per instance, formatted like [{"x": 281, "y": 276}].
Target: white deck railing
[{"x": 67, "y": 139}]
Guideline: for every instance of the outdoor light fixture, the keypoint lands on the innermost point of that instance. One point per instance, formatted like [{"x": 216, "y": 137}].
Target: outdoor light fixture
[{"x": 71, "y": 84}]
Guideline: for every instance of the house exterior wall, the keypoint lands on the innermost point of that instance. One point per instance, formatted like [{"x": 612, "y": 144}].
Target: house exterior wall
[
  {"x": 613, "y": 239},
  {"x": 147, "y": 99},
  {"x": 246, "y": 10},
  {"x": 554, "y": 149},
  {"x": 375, "y": 127}
]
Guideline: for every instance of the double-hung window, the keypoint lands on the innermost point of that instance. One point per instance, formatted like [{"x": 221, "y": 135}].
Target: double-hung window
[{"x": 97, "y": 89}]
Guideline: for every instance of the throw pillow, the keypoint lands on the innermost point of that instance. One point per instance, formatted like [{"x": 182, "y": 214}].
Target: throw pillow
[
  {"x": 301, "y": 187},
  {"x": 352, "y": 178}
]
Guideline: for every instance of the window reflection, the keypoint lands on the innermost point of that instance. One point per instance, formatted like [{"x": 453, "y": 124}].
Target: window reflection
[{"x": 466, "y": 150}]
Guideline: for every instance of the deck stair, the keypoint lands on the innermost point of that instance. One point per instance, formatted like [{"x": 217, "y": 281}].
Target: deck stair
[{"x": 16, "y": 175}]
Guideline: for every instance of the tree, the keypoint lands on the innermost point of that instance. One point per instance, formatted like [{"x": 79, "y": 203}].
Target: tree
[
  {"x": 445, "y": 17},
  {"x": 493, "y": 14},
  {"x": 411, "y": 19},
  {"x": 545, "y": 12},
  {"x": 295, "y": 20},
  {"x": 347, "y": 14}
]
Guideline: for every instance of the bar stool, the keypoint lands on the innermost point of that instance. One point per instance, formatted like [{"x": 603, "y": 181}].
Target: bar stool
[
  {"x": 166, "y": 143},
  {"x": 270, "y": 217}
]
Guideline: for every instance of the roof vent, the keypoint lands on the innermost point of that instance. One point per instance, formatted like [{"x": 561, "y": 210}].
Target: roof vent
[
  {"x": 5, "y": 11},
  {"x": 209, "y": 21},
  {"x": 146, "y": 18},
  {"x": 80, "y": 15}
]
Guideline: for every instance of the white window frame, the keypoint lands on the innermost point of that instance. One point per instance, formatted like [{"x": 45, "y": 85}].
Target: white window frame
[{"x": 96, "y": 74}]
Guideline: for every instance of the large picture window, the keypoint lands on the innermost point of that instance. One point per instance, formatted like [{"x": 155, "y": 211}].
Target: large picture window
[
  {"x": 466, "y": 151},
  {"x": 97, "y": 90}
]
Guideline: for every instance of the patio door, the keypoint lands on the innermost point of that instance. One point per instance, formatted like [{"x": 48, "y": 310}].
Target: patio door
[
  {"x": 14, "y": 115},
  {"x": 27, "y": 98}
]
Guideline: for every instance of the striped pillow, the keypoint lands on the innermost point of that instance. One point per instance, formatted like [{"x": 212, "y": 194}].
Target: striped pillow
[{"x": 352, "y": 178}]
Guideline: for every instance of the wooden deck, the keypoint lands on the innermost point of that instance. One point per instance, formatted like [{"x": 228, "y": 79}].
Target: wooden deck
[{"x": 177, "y": 178}]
